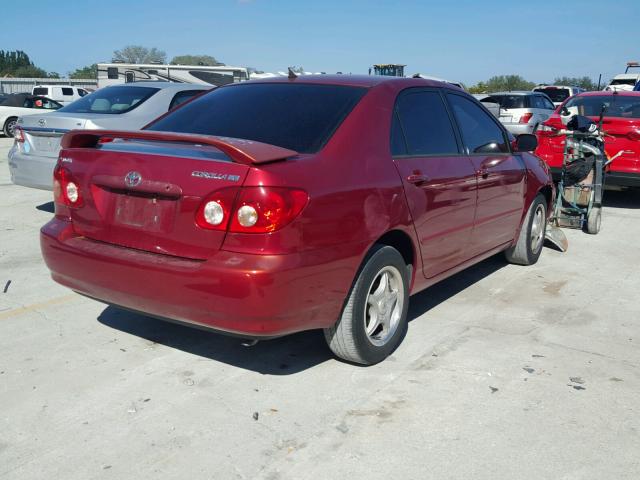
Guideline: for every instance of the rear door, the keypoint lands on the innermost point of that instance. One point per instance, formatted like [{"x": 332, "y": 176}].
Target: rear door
[
  {"x": 500, "y": 175},
  {"x": 439, "y": 180}
]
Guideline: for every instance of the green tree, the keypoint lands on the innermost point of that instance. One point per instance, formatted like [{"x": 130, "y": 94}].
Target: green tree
[
  {"x": 140, "y": 54},
  {"x": 88, "y": 72},
  {"x": 30, "y": 71},
  {"x": 195, "y": 60},
  {"x": 500, "y": 83},
  {"x": 583, "y": 82}
]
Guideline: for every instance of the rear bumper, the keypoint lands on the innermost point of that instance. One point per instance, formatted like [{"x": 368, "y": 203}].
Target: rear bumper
[
  {"x": 247, "y": 295},
  {"x": 31, "y": 170}
]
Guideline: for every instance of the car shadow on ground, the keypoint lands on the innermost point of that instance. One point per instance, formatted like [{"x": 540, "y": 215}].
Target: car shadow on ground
[
  {"x": 281, "y": 356},
  {"x": 46, "y": 207},
  {"x": 629, "y": 198}
]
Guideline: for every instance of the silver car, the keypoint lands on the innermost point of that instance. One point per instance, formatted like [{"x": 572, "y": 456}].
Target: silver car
[
  {"x": 121, "y": 107},
  {"x": 521, "y": 112}
]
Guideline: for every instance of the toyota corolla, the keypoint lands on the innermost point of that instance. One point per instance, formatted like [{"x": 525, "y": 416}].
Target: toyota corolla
[{"x": 271, "y": 207}]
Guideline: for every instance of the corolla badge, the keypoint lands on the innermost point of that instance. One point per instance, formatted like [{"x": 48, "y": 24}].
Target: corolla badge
[
  {"x": 42, "y": 122},
  {"x": 132, "y": 179}
]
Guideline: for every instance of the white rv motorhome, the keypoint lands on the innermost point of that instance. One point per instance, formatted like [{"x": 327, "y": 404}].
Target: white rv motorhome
[{"x": 117, "y": 73}]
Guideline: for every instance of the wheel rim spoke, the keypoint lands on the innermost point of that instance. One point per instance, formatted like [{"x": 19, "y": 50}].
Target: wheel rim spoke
[{"x": 383, "y": 307}]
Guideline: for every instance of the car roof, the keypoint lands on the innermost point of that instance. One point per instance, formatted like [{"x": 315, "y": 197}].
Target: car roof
[
  {"x": 557, "y": 86},
  {"x": 366, "y": 81},
  {"x": 606, "y": 93},
  {"x": 166, "y": 85},
  {"x": 517, "y": 92}
]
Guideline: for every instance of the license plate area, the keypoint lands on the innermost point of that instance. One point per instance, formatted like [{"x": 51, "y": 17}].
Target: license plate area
[
  {"x": 46, "y": 143},
  {"x": 150, "y": 214}
]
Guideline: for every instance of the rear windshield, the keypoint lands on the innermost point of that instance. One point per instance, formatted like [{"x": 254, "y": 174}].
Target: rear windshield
[
  {"x": 111, "y": 100},
  {"x": 557, "y": 95},
  {"x": 298, "y": 117},
  {"x": 615, "y": 106},
  {"x": 623, "y": 81},
  {"x": 508, "y": 101}
]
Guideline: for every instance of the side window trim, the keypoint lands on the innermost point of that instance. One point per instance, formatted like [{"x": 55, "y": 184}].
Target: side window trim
[
  {"x": 413, "y": 90},
  {"x": 465, "y": 149}
]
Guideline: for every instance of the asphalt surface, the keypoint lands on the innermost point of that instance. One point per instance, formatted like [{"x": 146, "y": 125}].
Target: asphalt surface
[{"x": 507, "y": 372}]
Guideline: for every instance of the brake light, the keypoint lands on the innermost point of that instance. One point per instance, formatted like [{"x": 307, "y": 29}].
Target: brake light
[
  {"x": 526, "y": 117},
  {"x": 266, "y": 209},
  {"x": 66, "y": 190},
  {"x": 634, "y": 135},
  {"x": 18, "y": 134},
  {"x": 250, "y": 209},
  {"x": 215, "y": 211}
]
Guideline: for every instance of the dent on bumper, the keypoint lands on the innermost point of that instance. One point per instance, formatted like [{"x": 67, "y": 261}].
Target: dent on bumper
[
  {"x": 252, "y": 295},
  {"x": 30, "y": 170}
]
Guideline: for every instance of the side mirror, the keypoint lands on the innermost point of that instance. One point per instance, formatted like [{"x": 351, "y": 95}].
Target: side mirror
[{"x": 526, "y": 142}]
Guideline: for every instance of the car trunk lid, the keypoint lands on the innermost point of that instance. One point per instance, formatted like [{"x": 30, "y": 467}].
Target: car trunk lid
[
  {"x": 142, "y": 190},
  {"x": 42, "y": 133}
]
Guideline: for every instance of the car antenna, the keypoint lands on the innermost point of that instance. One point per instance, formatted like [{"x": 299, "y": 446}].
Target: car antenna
[{"x": 292, "y": 75}]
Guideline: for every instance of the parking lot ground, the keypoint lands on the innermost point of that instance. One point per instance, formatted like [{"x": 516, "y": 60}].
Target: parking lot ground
[{"x": 507, "y": 372}]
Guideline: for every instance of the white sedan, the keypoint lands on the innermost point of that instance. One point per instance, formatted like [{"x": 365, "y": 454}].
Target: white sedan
[
  {"x": 120, "y": 107},
  {"x": 20, "y": 104}
]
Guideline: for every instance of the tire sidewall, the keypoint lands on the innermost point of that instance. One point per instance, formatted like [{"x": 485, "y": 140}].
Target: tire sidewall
[
  {"x": 7, "y": 130},
  {"x": 539, "y": 200},
  {"x": 381, "y": 257}
]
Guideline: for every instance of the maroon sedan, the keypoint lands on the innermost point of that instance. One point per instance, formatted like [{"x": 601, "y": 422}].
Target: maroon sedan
[{"x": 292, "y": 204}]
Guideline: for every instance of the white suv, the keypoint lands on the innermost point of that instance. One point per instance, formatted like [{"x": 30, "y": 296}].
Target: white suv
[
  {"x": 64, "y": 94},
  {"x": 558, "y": 93}
]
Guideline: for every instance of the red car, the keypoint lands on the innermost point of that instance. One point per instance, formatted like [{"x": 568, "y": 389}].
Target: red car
[
  {"x": 621, "y": 121},
  {"x": 283, "y": 205}
]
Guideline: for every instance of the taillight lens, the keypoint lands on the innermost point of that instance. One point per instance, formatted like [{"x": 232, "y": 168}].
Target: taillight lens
[
  {"x": 18, "y": 134},
  {"x": 255, "y": 210},
  {"x": 526, "y": 117},
  {"x": 66, "y": 189},
  {"x": 266, "y": 209},
  {"x": 633, "y": 135},
  {"x": 215, "y": 211}
]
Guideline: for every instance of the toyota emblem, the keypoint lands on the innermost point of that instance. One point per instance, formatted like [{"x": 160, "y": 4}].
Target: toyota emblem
[
  {"x": 132, "y": 179},
  {"x": 42, "y": 122}
]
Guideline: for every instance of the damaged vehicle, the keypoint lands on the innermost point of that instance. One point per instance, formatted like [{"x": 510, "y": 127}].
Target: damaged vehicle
[{"x": 274, "y": 206}]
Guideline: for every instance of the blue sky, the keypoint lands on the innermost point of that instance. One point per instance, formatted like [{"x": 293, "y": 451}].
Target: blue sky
[{"x": 459, "y": 40}]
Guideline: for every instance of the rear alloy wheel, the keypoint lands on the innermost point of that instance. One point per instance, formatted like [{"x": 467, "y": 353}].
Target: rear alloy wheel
[
  {"x": 10, "y": 126},
  {"x": 594, "y": 221},
  {"x": 529, "y": 245},
  {"x": 374, "y": 319}
]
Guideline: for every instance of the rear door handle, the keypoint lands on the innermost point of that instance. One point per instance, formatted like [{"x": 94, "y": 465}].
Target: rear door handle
[{"x": 417, "y": 178}]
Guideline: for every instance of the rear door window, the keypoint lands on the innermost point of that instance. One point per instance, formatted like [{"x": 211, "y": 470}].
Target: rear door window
[
  {"x": 181, "y": 97},
  {"x": 300, "y": 117},
  {"x": 478, "y": 128},
  {"x": 67, "y": 91},
  {"x": 423, "y": 122},
  {"x": 41, "y": 91}
]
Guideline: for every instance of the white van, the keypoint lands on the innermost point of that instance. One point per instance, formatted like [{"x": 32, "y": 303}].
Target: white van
[{"x": 64, "y": 94}]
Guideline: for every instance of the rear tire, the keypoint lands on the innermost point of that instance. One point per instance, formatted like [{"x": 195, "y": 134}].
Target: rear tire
[
  {"x": 529, "y": 245},
  {"x": 9, "y": 126},
  {"x": 594, "y": 221},
  {"x": 374, "y": 319}
]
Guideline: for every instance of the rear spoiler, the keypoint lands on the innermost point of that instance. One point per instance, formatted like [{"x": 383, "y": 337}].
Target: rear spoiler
[{"x": 247, "y": 152}]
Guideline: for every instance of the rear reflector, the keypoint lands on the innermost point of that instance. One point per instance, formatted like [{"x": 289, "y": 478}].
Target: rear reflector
[{"x": 18, "y": 134}]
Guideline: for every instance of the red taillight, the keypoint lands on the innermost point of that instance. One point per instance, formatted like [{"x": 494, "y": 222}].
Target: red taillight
[
  {"x": 255, "y": 210},
  {"x": 526, "y": 117},
  {"x": 66, "y": 190},
  {"x": 266, "y": 209},
  {"x": 634, "y": 135},
  {"x": 18, "y": 134},
  {"x": 215, "y": 211}
]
